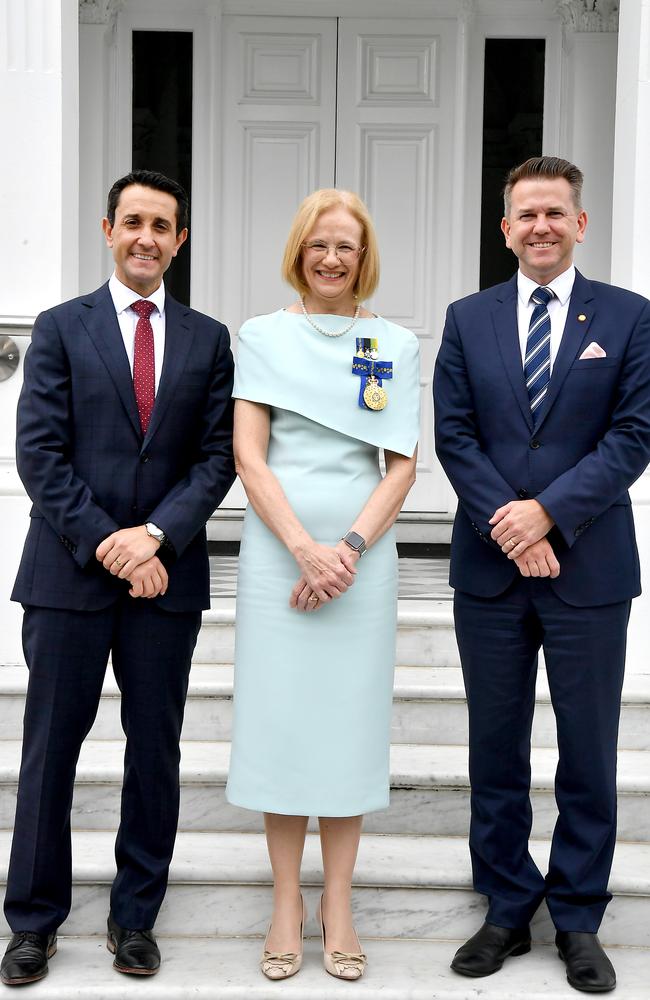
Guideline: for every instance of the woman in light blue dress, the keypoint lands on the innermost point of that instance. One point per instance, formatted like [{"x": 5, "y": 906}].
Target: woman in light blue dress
[{"x": 321, "y": 387}]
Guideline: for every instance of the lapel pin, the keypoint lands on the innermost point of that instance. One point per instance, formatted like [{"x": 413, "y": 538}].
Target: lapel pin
[{"x": 581, "y": 318}]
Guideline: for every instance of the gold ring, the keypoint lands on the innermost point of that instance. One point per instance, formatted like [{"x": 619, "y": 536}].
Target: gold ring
[
  {"x": 512, "y": 543},
  {"x": 313, "y": 598},
  {"x": 118, "y": 562}
]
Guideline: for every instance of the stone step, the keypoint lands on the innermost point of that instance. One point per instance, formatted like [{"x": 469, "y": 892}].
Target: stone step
[
  {"x": 428, "y": 704},
  {"x": 425, "y": 634},
  {"x": 227, "y": 969},
  {"x": 405, "y": 887},
  {"x": 429, "y": 794}
]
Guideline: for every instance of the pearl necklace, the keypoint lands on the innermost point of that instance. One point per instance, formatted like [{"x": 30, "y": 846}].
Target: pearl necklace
[{"x": 320, "y": 329}]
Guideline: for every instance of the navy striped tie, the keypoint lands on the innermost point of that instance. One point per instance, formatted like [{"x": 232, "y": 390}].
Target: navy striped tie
[{"x": 537, "y": 363}]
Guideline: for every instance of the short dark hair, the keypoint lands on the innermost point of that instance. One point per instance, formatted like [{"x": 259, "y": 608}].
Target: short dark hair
[
  {"x": 159, "y": 182},
  {"x": 545, "y": 166}
]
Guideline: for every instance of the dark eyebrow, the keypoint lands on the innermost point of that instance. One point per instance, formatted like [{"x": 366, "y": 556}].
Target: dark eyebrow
[{"x": 158, "y": 221}]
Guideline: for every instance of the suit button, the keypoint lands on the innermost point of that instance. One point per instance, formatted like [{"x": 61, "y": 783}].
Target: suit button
[
  {"x": 535, "y": 444},
  {"x": 522, "y": 494},
  {"x": 144, "y": 459}
]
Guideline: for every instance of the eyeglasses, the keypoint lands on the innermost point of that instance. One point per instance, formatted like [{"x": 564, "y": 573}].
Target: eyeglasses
[{"x": 344, "y": 251}]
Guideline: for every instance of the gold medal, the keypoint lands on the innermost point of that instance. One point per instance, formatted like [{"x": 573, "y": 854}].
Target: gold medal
[{"x": 374, "y": 396}]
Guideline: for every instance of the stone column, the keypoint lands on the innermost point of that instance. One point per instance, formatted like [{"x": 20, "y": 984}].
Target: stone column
[
  {"x": 588, "y": 115},
  {"x": 39, "y": 209},
  {"x": 631, "y": 252}
]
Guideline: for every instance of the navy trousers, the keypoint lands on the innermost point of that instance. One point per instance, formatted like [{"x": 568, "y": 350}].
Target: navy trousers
[
  {"x": 584, "y": 649},
  {"x": 67, "y": 653}
]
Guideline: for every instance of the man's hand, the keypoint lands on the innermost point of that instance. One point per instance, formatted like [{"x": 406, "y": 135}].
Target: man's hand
[
  {"x": 125, "y": 550},
  {"x": 518, "y": 525},
  {"x": 149, "y": 579},
  {"x": 539, "y": 560}
]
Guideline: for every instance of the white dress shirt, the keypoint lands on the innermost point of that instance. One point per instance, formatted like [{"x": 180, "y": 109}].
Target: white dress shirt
[
  {"x": 123, "y": 298},
  {"x": 558, "y": 307}
]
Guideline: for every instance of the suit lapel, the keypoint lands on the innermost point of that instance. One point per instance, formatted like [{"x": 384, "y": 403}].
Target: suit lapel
[
  {"x": 504, "y": 318},
  {"x": 575, "y": 330},
  {"x": 178, "y": 342},
  {"x": 100, "y": 321}
]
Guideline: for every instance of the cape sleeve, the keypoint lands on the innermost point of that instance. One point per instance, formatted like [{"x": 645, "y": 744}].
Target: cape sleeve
[{"x": 283, "y": 363}]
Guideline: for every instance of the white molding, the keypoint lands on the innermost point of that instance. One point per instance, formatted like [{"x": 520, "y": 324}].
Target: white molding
[
  {"x": 589, "y": 15},
  {"x": 23, "y": 324},
  {"x": 32, "y": 32},
  {"x": 99, "y": 11}
]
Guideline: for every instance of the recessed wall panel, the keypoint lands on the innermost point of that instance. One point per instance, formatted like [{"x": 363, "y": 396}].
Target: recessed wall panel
[
  {"x": 401, "y": 70},
  {"x": 279, "y": 68},
  {"x": 278, "y": 170},
  {"x": 397, "y": 171}
]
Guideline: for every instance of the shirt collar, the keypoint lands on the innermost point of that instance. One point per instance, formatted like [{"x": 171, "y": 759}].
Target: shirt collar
[
  {"x": 562, "y": 286},
  {"x": 124, "y": 297}
]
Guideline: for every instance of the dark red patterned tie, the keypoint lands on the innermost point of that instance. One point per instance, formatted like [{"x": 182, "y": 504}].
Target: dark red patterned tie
[{"x": 144, "y": 362}]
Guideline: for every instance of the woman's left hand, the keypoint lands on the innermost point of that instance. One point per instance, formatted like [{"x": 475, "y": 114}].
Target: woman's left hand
[{"x": 303, "y": 597}]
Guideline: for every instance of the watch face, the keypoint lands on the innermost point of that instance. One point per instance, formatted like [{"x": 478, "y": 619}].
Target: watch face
[{"x": 355, "y": 540}]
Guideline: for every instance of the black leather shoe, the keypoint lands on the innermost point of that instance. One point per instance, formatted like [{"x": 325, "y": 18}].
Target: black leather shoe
[
  {"x": 587, "y": 966},
  {"x": 25, "y": 959},
  {"x": 136, "y": 952},
  {"x": 486, "y": 952}
]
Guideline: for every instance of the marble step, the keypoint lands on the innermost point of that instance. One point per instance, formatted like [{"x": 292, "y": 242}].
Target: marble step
[
  {"x": 227, "y": 969},
  {"x": 429, "y": 793},
  {"x": 425, "y": 634},
  {"x": 405, "y": 887},
  {"x": 428, "y": 706}
]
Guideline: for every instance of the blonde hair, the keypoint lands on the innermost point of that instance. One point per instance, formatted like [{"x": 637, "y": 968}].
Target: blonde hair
[{"x": 304, "y": 221}]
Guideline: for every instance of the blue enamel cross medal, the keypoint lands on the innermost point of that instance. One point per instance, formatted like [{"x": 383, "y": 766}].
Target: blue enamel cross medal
[{"x": 372, "y": 396}]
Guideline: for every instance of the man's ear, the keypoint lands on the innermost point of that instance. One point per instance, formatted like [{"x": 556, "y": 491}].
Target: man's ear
[
  {"x": 180, "y": 239},
  {"x": 505, "y": 229},
  {"x": 107, "y": 229}
]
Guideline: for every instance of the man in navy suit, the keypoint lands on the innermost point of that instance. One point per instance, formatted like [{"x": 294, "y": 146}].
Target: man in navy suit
[
  {"x": 125, "y": 448},
  {"x": 542, "y": 402}
]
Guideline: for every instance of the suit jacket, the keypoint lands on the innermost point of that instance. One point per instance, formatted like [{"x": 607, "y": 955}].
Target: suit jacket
[
  {"x": 87, "y": 467},
  {"x": 592, "y": 438}
]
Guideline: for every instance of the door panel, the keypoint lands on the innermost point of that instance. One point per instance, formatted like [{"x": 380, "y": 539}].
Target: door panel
[
  {"x": 279, "y": 82},
  {"x": 279, "y": 89},
  {"x": 394, "y": 146}
]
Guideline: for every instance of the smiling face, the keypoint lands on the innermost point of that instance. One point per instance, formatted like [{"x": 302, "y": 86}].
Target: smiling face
[
  {"x": 543, "y": 227},
  {"x": 330, "y": 279},
  {"x": 143, "y": 237}
]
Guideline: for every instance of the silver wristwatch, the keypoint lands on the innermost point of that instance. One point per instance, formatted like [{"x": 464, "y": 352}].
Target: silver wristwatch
[
  {"x": 355, "y": 541},
  {"x": 156, "y": 532}
]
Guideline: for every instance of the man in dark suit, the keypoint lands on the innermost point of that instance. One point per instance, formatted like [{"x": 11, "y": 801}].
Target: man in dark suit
[
  {"x": 542, "y": 402},
  {"x": 125, "y": 448}
]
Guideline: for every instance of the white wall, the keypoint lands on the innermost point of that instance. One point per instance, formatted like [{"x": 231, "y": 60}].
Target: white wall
[
  {"x": 39, "y": 210},
  {"x": 589, "y": 111},
  {"x": 631, "y": 252}
]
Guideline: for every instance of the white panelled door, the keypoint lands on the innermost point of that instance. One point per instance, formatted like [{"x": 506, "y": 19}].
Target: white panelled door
[{"x": 361, "y": 104}]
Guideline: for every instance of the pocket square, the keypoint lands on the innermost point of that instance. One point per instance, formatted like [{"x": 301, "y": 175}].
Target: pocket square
[{"x": 593, "y": 351}]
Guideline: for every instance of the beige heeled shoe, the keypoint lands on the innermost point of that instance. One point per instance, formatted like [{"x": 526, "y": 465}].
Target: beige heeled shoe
[
  {"x": 348, "y": 965},
  {"x": 281, "y": 965}
]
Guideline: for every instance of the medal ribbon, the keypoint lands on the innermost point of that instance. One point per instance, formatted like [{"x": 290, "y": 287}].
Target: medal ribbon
[{"x": 367, "y": 368}]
